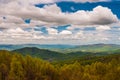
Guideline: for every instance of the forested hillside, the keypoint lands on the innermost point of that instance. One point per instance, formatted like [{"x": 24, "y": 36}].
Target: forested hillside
[
  {"x": 65, "y": 48},
  {"x": 95, "y": 48},
  {"x": 41, "y": 53},
  {"x": 18, "y": 67},
  {"x": 57, "y": 56}
]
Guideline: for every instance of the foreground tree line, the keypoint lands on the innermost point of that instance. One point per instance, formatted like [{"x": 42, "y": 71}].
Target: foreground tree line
[{"x": 18, "y": 67}]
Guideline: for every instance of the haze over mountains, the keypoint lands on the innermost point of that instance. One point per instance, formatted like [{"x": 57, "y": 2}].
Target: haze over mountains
[
  {"x": 17, "y": 46},
  {"x": 41, "y": 53},
  {"x": 66, "y": 48},
  {"x": 63, "y": 52}
]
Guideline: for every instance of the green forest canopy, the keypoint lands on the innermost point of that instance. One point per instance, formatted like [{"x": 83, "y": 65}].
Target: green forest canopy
[{"x": 18, "y": 67}]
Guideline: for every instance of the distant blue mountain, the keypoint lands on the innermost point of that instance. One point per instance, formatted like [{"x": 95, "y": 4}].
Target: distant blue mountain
[
  {"x": 18, "y": 46},
  {"x": 66, "y": 48}
]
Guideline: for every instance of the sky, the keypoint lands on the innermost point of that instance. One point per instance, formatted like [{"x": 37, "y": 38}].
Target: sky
[{"x": 75, "y": 22}]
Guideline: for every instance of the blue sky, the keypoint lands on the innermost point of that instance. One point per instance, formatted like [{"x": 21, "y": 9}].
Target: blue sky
[
  {"x": 67, "y": 6},
  {"x": 76, "y": 22}
]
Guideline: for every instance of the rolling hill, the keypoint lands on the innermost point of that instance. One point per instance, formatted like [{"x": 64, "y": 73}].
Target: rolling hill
[
  {"x": 66, "y": 48},
  {"x": 95, "y": 48},
  {"x": 42, "y": 53},
  {"x": 50, "y": 46},
  {"x": 53, "y": 55},
  {"x": 50, "y": 55}
]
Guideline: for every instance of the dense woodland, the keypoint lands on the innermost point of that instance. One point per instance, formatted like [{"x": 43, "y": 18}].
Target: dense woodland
[
  {"x": 53, "y": 55},
  {"x": 18, "y": 67}
]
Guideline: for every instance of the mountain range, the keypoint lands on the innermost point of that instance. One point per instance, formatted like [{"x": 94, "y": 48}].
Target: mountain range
[
  {"x": 41, "y": 53},
  {"x": 18, "y": 46},
  {"x": 95, "y": 48},
  {"x": 55, "y": 56},
  {"x": 65, "y": 48}
]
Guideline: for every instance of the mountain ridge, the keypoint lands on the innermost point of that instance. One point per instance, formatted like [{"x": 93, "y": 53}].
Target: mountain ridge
[
  {"x": 42, "y": 53},
  {"x": 53, "y": 55},
  {"x": 66, "y": 48}
]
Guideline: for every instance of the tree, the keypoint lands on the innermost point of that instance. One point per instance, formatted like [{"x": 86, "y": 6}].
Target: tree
[
  {"x": 3, "y": 71},
  {"x": 16, "y": 70}
]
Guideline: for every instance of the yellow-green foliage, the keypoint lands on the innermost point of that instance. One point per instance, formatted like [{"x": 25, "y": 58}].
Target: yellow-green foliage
[{"x": 17, "y": 67}]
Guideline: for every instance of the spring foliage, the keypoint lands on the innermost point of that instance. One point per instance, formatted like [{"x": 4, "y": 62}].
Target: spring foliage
[{"x": 18, "y": 67}]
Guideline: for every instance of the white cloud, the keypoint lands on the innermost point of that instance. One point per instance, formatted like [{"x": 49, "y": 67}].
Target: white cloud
[
  {"x": 65, "y": 32},
  {"x": 15, "y": 34},
  {"x": 11, "y": 19},
  {"x": 80, "y": 33},
  {"x": 52, "y": 15},
  {"x": 119, "y": 38},
  {"x": 116, "y": 24},
  {"x": 52, "y": 31},
  {"x": 18, "y": 35},
  {"x": 17, "y": 30},
  {"x": 103, "y": 27},
  {"x": 118, "y": 28},
  {"x": 52, "y": 8},
  {"x": 28, "y": 1},
  {"x": 47, "y": 1}
]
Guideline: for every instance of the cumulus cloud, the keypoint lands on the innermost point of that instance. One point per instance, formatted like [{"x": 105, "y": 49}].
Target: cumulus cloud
[
  {"x": 27, "y": 1},
  {"x": 52, "y": 31},
  {"x": 118, "y": 28},
  {"x": 20, "y": 36},
  {"x": 103, "y": 27},
  {"x": 11, "y": 19},
  {"x": 52, "y": 15},
  {"x": 47, "y": 1},
  {"x": 65, "y": 32},
  {"x": 14, "y": 35},
  {"x": 13, "y": 27}
]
